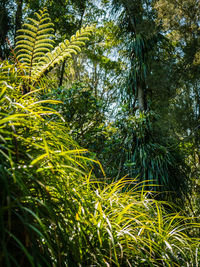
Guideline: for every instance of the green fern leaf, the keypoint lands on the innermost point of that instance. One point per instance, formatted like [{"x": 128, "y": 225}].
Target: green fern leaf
[
  {"x": 44, "y": 31},
  {"x": 41, "y": 49},
  {"x": 35, "y": 43},
  {"x": 23, "y": 42},
  {"x": 62, "y": 51},
  {"x": 34, "y": 39},
  {"x": 75, "y": 47},
  {"x": 25, "y": 37},
  {"x": 22, "y": 46},
  {"x": 46, "y": 26},
  {"x": 45, "y": 36},
  {"x": 35, "y": 22},
  {"x": 28, "y": 32},
  {"x": 30, "y": 27}
]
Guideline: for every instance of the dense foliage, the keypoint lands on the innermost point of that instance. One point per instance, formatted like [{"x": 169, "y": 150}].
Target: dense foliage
[{"x": 72, "y": 125}]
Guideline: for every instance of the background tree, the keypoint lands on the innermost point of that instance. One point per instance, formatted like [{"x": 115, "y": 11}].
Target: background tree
[
  {"x": 180, "y": 22},
  {"x": 5, "y": 27}
]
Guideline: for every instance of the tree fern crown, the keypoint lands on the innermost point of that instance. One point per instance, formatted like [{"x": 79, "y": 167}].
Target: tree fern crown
[{"x": 34, "y": 46}]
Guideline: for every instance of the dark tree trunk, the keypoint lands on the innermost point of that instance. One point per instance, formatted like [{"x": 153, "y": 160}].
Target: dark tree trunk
[
  {"x": 18, "y": 16},
  {"x": 62, "y": 73},
  {"x": 5, "y": 27},
  {"x": 141, "y": 87},
  {"x": 141, "y": 96}
]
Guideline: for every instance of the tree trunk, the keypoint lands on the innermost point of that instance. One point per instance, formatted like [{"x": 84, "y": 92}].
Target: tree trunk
[
  {"x": 141, "y": 97},
  {"x": 18, "y": 16},
  {"x": 141, "y": 102},
  {"x": 62, "y": 73}
]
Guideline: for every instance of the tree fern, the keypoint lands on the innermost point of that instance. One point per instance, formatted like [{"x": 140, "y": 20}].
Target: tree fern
[{"x": 34, "y": 47}]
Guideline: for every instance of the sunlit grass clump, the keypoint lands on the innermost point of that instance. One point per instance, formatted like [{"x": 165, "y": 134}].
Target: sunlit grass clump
[{"x": 54, "y": 213}]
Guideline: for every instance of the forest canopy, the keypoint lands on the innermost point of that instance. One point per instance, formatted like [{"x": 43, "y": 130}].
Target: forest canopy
[{"x": 99, "y": 133}]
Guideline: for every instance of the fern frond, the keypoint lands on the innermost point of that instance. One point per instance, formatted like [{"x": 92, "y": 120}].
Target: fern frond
[
  {"x": 62, "y": 51},
  {"x": 34, "y": 39},
  {"x": 35, "y": 43}
]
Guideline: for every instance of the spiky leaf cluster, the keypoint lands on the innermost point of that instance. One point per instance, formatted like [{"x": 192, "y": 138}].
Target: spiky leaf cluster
[{"x": 35, "y": 44}]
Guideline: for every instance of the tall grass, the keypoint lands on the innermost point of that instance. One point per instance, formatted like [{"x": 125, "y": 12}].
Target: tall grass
[{"x": 54, "y": 213}]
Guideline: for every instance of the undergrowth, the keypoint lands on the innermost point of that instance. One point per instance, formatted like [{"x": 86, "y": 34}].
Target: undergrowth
[{"x": 53, "y": 211}]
